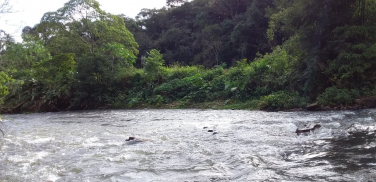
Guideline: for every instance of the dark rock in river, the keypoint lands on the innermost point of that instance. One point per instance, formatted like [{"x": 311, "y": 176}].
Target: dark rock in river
[
  {"x": 307, "y": 128},
  {"x": 210, "y": 130},
  {"x": 134, "y": 140},
  {"x": 312, "y": 107},
  {"x": 367, "y": 101},
  {"x": 130, "y": 139}
]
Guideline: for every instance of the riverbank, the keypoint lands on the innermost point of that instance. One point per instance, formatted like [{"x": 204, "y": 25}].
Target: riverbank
[
  {"x": 247, "y": 85},
  {"x": 229, "y": 104},
  {"x": 249, "y": 105}
]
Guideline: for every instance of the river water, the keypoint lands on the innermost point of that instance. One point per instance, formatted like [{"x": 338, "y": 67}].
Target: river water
[{"x": 174, "y": 146}]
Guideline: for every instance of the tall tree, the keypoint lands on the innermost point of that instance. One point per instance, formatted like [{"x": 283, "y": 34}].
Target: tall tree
[
  {"x": 228, "y": 8},
  {"x": 172, "y": 3},
  {"x": 5, "y": 7},
  {"x": 83, "y": 26},
  {"x": 334, "y": 40}
]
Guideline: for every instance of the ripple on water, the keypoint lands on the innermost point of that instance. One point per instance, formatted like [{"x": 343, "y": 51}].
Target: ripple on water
[{"x": 248, "y": 146}]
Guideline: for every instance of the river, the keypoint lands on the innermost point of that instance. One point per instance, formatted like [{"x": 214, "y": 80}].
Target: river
[{"x": 175, "y": 145}]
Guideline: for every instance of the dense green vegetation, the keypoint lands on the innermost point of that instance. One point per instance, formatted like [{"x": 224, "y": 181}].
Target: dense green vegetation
[{"x": 266, "y": 54}]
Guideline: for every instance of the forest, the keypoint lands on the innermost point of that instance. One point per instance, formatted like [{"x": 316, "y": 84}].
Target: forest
[{"x": 239, "y": 54}]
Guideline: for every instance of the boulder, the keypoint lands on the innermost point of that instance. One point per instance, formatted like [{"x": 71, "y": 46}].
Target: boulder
[
  {"x": 313, "y": 107},
  {"x": 134, "y": 140},
  {"x": 307, "y": 128},
  {"x": 130, "y": 139},
  {"x": 366, "y": 101}
]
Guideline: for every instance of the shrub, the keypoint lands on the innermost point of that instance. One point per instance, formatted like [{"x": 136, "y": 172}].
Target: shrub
[
  {"x": 179, "y": 88},
  {"x": 282, "y": 100},
  {"x": 180, "y": 72},
  {"x": 213, "y": 73},
  {"x": 334, "y": 96},
  {"x": 157, "y": 100}
]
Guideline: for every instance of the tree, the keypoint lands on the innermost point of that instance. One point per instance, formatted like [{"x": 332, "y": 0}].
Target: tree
[
  {"x": 228, "y": 8},
  {"x": 173, "y": 3},
  {"x": 5, "y": 7},
  {"x": 212, "y": 51},
  {"x": 100, "y": 42},
  {"x": 22, "y": 56},
  {"x": 4, "y": 78},
  {"x": 206, "y": 32},
  {"x": 334, "y": 41},
  {"x": 153, "y": 63},
  {"x": 83, "y": 26},
  {"x": 249, "y": 32},
  {"x": 5, "y": 40},
  {"x": 119, "y": 55}
]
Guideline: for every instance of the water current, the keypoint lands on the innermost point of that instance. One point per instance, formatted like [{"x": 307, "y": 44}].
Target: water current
[{"x": 175, "y": 145}]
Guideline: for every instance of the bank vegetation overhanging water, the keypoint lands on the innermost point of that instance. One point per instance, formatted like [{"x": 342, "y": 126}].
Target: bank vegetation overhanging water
[{"x": 271, "y": 55}]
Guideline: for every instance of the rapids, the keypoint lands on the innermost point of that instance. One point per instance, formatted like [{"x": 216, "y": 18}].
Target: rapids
[{"x": 175, "y": 145}]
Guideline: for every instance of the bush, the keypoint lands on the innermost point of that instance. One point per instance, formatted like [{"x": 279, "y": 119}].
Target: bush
[
  {"x": 273, "y": 71},
  {"x": 156, "y": 100},
  {"x": 334, "y": 96},
  {"x": 180, "y": 72},
  {"x": 282, "y": 100},
  {"x": 179, "y": 88},
  {"x": 213, "y": 73}
]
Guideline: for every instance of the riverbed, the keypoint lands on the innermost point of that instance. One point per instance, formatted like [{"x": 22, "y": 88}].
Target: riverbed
[{"x": 187, "y": 145}]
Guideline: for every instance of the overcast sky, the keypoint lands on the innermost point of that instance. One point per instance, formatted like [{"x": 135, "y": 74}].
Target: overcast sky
[{"x": 29, "y": 12}]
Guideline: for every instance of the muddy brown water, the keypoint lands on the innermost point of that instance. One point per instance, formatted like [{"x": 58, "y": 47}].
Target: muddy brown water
[{"x": 174, "y": 146}]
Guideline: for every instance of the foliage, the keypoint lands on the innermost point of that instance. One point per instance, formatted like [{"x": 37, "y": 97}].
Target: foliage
[
  {"x": 273, "y": 71},
  {"x": 333, "y": 96},
  {"x": 332, "y": 40},
  {"x": 257, "y": 53},
  {"x": 157, "y": 100},
  {"x": 21, "y": 56},
  {"x": 56, "y": 76},
  {"x": 119, "y": 55},
  {"x": 179, "y": 88},
  {"x": 205, "y": 33},
  {"x": 4, "y": 78},
  {"x": 153, "y": 63},
  {"x": 83, "y": 26},
  {"x": 282, "y": 100},
  {"x": 179, "y": 72}
]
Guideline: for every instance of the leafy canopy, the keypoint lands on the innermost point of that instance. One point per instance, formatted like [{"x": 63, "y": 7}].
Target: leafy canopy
[{"x": 82, "y": 27}]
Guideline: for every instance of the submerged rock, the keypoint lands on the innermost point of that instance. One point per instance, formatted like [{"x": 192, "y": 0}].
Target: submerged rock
[
  {"x": 134, "y": 140},
  {"x": 307, "y": 128}
]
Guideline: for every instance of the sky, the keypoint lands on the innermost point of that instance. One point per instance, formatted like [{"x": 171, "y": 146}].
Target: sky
[{"x": 29, "y": 12}]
